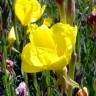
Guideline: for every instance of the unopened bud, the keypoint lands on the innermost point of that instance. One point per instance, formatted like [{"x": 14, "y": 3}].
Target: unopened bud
[
  {"x": 61, "y": 7},
  {"x": 11, "y": 36},
  {"x": 83, "y": 92},
  {"x": 70, "y": 11}
]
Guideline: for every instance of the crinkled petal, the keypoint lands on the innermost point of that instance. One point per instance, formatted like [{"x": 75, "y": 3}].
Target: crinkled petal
[
  {"x": 65, "y": 37},
  {"x": 42, "y": 37},
  {"x": 49, "y": 49},
  {"x": 39, "y": 13},
  {"x": 35, "y": 59}
]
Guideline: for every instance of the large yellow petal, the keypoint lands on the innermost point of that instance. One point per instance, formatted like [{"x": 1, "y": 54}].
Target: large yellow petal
[
  {"x": 40, "y": 59},
  {"x": 30, "y": 61},
  {"x": 42, "y": 37},
  {"x": 38, "y": 14},
  {"x": 35, "y": 59},
  {"x": 65, "y": 37}
]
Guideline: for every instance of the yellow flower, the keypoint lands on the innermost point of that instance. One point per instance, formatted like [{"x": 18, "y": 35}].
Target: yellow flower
[
  {"x": 47, "y": 21},
  {"x": 49, "y": 48},
  {"x": 11, "y": 36},
  {"x": 28, "y": 11}
]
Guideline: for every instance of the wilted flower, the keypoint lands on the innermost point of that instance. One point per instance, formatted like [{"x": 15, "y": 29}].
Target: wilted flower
[
  {"x": 28, "y": 11},
  {"x": 92, "y": 17},
  {"x": 49, "y": 48},
  {"x": 83, "y": 92},
  {"x": 92, "y": 20},
  {"x": 10, "y": 66},
  {"x": 11, "y": 36},
  {"x": 22, "y": 90}
]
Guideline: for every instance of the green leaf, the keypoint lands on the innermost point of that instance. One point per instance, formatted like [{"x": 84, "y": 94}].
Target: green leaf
[{"x": 71, "y": 82}]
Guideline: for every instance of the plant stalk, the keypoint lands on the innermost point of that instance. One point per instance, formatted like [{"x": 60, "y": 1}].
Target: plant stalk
[
  {"x": 72, "y": 71},
  {"x": 61, "y": 7}
]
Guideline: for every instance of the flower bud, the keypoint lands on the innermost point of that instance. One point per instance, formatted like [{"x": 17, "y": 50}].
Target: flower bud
[
  {"x": 61, "y": 8},
  {"x": 11, "y": 36},
  {"x": 70, "y": 11}
]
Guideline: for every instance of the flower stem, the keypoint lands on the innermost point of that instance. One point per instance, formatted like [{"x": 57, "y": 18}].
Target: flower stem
[
  {"x": 23, "y": 43},
  {"x": 14, "y": 24},
  {"x": 70, "y": 11},
  {"x": 72, "y": 71},
  {"x": 48, "y": 85},
  {"x": 36, "y": 85},
  {"x": 4, "y": 49},
  {"x": 61, "y": 7}
]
